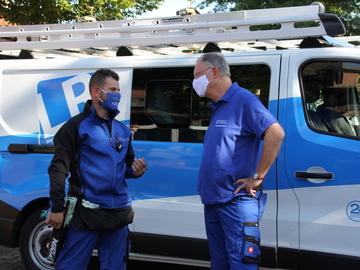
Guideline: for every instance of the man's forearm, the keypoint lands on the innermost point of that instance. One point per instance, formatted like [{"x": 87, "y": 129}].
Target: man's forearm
[{"x": 272, "y": 142}]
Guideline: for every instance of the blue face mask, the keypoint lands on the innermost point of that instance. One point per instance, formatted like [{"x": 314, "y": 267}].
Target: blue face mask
[{"x": 112, "y": 101}]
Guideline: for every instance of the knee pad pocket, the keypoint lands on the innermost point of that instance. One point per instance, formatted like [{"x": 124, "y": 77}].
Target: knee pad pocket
[{"x": 252, "y": 242}]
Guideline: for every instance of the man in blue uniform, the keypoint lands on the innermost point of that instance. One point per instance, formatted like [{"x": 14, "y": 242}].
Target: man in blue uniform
[
  {"x": 233, "y": 166},
  {"x": 96, "y": 150}
]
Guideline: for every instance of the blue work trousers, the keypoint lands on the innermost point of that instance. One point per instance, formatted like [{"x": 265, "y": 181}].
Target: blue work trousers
[
  {"x": 233, "y": 232},
  {"x": 79, "y": 245}
]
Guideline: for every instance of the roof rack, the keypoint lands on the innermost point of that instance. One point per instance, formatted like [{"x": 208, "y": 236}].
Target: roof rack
[{"x": 235, "y": 26}]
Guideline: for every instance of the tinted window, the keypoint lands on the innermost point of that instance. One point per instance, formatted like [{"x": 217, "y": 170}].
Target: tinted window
[
  {"x": 168, "y": 103},
  {"x": 331, "y": 97},
  {"x": 162, "y": 96}
]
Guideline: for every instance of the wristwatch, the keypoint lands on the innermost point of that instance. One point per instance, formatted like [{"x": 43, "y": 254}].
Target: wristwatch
[{"x": 257, "y": 176}]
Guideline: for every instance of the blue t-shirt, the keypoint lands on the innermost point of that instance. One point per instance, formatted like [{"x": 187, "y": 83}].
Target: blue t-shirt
[{"x": 231, "y": 143}]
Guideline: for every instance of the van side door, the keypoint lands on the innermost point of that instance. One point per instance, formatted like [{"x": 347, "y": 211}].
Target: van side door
[{"x": 321, "y": 161}]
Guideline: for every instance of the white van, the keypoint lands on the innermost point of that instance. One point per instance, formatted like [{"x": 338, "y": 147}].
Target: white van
[{"x": 312, "y": 218}]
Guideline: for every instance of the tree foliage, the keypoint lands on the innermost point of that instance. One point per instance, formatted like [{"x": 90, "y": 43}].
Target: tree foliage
[
  {"x": 347, "y": 10},
  {"x": 55, "y": 11}
]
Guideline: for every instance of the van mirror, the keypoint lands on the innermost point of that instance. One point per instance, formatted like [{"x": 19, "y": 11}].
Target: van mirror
[{"x": 168, "y": 103}]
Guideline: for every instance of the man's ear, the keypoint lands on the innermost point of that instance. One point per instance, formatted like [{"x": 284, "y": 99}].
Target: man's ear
[
  {"x": 216, "y": 72},
  {"x": 95, "y": 91}
]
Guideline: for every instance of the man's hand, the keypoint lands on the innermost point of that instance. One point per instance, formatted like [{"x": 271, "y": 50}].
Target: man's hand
[
  {"x": 273, "y": 137},
  {"x": 139, "y": 167},
  {"x": 249, "y": 184},
  {"x": 55, "y": 220}
]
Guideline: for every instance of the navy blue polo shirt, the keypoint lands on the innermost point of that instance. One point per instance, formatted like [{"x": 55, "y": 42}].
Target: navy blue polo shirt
[{"x": 231, "y": 143}]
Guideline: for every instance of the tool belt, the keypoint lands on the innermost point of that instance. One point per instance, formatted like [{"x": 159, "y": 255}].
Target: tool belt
[{"x": 100, "y": 219}]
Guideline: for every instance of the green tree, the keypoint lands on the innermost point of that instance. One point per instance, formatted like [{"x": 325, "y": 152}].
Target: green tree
[
  {"x": 347, "y": 10},
  {"x": 25, "y": 12}
]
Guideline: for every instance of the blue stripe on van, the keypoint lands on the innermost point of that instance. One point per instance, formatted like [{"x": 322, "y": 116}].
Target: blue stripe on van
[{"x": 173, "y": 167}]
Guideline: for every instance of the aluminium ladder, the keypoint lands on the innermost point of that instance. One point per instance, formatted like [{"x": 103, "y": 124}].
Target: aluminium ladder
[{"x": 189, "y": 29}]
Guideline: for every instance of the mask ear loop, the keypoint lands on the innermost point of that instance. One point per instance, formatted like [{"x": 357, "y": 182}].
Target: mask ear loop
[
  {"x": 102, "y": 91},
  {"x": 207, "y": 74}
]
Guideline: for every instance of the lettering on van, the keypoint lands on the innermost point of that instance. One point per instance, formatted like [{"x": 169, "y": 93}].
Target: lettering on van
[
  {"x": 58, "y": 100},
  {"x": 353, "y": 211}
]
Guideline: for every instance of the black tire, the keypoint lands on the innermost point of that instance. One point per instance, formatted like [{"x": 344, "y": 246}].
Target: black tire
[{"x": 34, "y": 242}]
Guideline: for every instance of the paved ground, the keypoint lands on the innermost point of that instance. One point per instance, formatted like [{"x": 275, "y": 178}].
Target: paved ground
[{"x": 10, "y": 260}]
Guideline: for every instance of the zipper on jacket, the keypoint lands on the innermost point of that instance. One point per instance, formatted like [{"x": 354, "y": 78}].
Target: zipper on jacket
[{"x": 109, "y": 126}]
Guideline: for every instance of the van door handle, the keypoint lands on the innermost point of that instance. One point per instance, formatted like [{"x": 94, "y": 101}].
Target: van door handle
[
  {"x": 315, "y": 175},
  {"x": 305, "y": 175}
]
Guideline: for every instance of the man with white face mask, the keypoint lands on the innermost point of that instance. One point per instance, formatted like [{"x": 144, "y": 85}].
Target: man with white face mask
[
  {"x": 233, "y": 166},
  {"x": 95, "y": 150}
]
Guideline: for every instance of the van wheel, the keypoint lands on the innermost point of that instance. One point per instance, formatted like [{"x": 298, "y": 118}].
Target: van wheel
[{"x": 34, "y": 242}]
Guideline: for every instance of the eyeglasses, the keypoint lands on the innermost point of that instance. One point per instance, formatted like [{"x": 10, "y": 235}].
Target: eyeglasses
[{"x": 197, "y": 73}]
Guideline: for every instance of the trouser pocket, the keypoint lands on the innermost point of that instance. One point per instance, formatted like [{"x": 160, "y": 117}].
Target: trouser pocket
[
  {"x": 262, "y": 204},
  {"x": 252, "y": 242}
]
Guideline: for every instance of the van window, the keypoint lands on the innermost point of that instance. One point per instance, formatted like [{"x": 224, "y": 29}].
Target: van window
[
  {"x": 168, "y": 103},
  {"x": 164, "y": 106},
  {"x": 330, "y": 92},
  {"x": 255, "y": 78}
]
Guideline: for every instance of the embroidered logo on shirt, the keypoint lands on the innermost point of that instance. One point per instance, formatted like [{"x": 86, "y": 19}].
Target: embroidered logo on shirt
[
  {"x": 221, "y": 123},
  {"x": 123, "y": 139}
]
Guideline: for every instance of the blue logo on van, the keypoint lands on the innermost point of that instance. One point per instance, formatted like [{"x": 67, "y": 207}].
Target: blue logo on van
[
  {"x": 58, "y": 100},
  {"x": 353, "y": 211}
]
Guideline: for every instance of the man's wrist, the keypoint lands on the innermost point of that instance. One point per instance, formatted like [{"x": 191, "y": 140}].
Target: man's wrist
[{"x": 258, "y": 176}]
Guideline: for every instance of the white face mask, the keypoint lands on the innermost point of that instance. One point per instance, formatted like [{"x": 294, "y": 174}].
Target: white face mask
[{"x": 200, "y": 84}]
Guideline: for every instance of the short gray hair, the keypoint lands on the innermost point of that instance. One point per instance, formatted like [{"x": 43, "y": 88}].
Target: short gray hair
[{"x": 216, "y": 60}]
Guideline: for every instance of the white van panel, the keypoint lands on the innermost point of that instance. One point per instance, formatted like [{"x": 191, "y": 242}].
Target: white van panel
[
  {"x": 58, "y": 88},
  {"x": 325, "y": 224}
]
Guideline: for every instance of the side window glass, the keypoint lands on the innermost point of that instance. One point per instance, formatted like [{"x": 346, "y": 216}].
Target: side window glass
[
  {"x": 255, "y": 78},
  {"x": 164, "y": 96},
  {"x": 168, "y": 103},
  {"x": 161, "y": 96},
  {"x": 331, "y": 97},
  {"x": 200, "y": 119}
]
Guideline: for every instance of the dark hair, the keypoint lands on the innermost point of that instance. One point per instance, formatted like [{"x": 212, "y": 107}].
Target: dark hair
[
  {"x": 99, "y": 77},
  {"x": 211, "y": 47}
]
